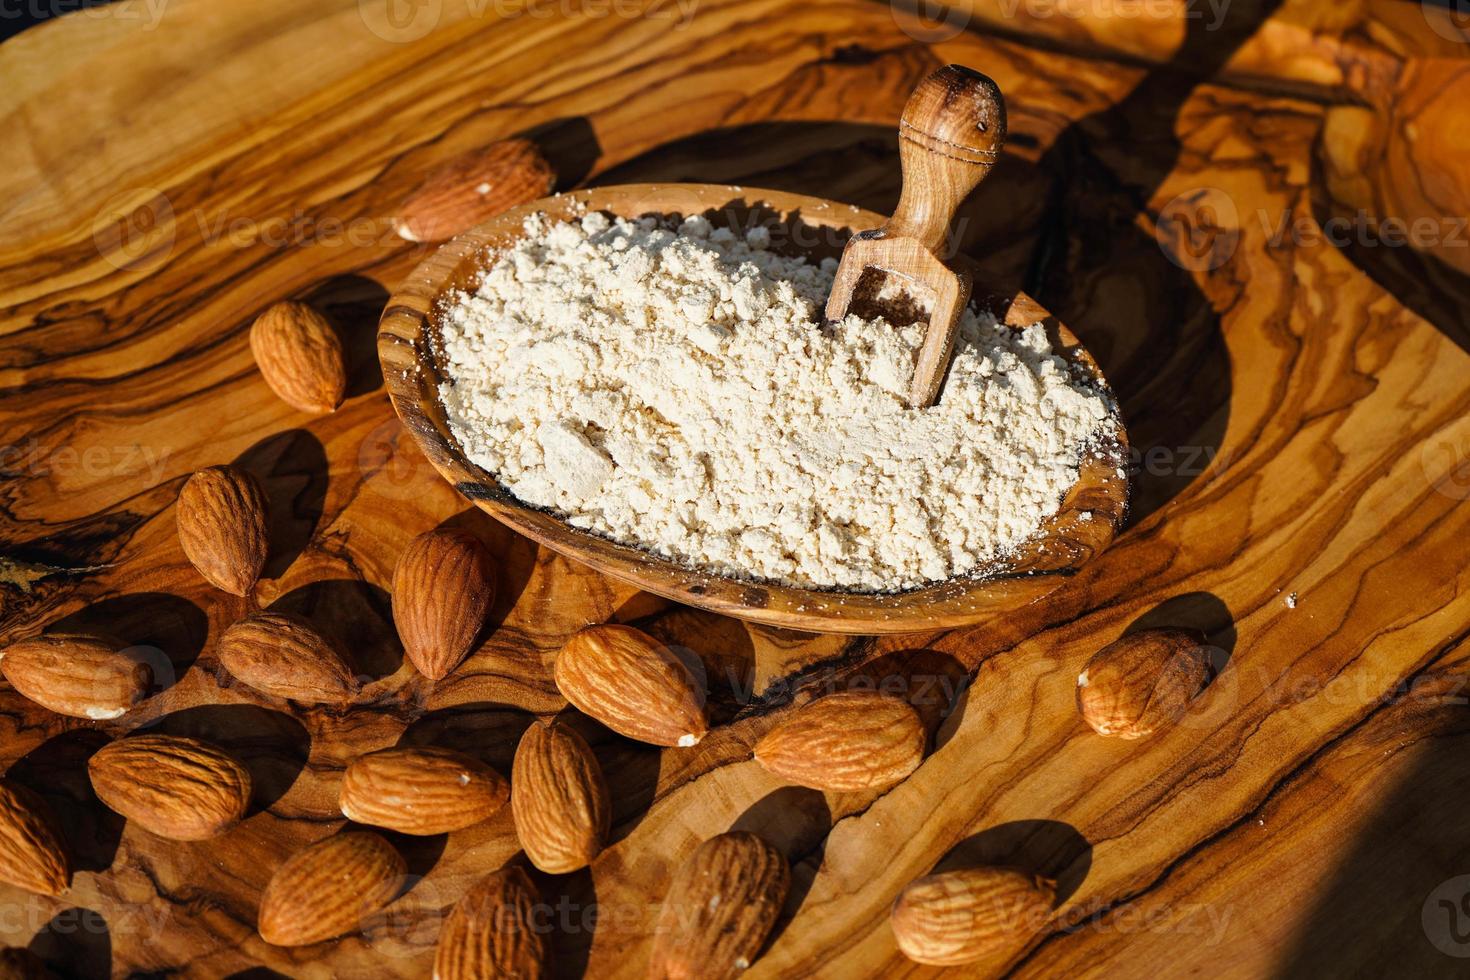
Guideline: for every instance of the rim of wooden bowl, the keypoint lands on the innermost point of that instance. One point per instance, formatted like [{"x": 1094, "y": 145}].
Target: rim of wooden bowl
[{"x": 1090, "y": 515}]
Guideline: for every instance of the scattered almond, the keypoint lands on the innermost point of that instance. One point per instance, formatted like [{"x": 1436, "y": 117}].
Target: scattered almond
[
  {"x": 221, "y": 518},
  {"x": 283, "y": 654},
  {"x": 421, "y": 790},
  {"x": 851, "y": 740},
  {"x": 443, "y": 590},
  {"x": 961, "y": 916},
  {"x": 327, "y": 889},
  {"x": 632, "y": 684},
  {"x": 1142, "y": 681},
  {"x": 720, "y": 908},
  {"x": 31, "y": 853},
  {"x": 176, "y": 787},
  {"x": 560, "y": 799},
  {"x": 300, "y": 356},
  {"x": 77, "y": 675},
  {"x": 492, "y": 932},
  {"x": 474, "y": 188}
]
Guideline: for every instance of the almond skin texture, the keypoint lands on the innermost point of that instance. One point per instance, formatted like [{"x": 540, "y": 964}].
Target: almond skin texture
[
  {"x": 176, "y": 787},
  {"x": 31, "y": 853},
  {"x": 720, "y": 908},
  {"x": 77, "y": 675},
  {"x": 632, "y": 684},
  {"x": 443, "y": 590},
  {"x": 474, "y": 188},
  {"x": 421, "y": 790},
  {"x": 852, "y": 740},
  {"x": 284, "y": 655},
  {"x": 300, "y": 356},
  {"x": 327, "y": 889},
  {"x": 962, "y": 916},
  {"x": 1142, "y": 682},
  {"x": 492, "y": 932},
  {"x": 221, "y": 518},
  {"x": 560, "y": 799}
]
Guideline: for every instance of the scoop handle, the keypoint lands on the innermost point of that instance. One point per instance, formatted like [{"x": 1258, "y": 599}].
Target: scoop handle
[{"x": 950, "y": 136}]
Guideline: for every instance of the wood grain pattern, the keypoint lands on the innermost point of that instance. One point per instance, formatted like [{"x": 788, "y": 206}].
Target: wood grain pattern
[{"x": 1299, "y": 414}]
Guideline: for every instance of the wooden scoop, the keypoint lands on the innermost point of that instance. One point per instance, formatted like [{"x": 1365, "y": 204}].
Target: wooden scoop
[{"x": 949, "y": 137}]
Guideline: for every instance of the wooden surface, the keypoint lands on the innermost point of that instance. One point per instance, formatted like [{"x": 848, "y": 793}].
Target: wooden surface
[
  {"x": 410, "y": 353},
  {"x": 1301, "y": 411}
]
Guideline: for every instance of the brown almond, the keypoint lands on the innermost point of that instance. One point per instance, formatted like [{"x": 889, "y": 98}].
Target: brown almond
[
  {"x": 443, "y": 591},
  {"x": 720, "y": 908},
  {"x": 176, "y": 787},
  {"x": 221, "y": 517},
  {"x": 959, "y": 917},
  {"x": 77, "y": 675},
  {"x": 1143, "y": 681},
  {"x": 474, "y": 188},
  {"x": 19, "y": 963},
  {"x": 421, "y": 790},
  {"x": 560, "y": 799},
  {"x": 300, "y": 356},
  {"x": 851, "y": 740},
  {"x": 493, "y": 932},
  {"x": 31, "y": 853},
  {"x": 632, "y": 684},
  {"x": 327, "y": 889},
  {"x": 284, "y": 655}
]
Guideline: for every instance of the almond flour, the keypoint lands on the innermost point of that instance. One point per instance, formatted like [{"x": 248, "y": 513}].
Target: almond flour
[{"x": 676, "y": 390}]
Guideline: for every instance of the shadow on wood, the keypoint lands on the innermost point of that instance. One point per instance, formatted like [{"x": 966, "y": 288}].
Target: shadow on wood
[
  {"x": 292, "y": 468},
  {"x": 165, "y": 631},
  {"x": 272, "y": 745},
  {"x": 1048, "y": 848},
  {"x": 57, "y": 771},
  {"x": 486, "y": 730},
  {"x": 796, "y": 821},
  {"x": 357, "y": 616},
  {"x": 76, "y": 942}
]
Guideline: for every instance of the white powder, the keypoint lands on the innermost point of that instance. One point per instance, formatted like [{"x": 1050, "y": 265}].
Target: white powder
[{"x": 677, "y": 391}]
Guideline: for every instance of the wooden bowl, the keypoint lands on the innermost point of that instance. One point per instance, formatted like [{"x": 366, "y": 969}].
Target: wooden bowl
[{"x": 409, "y": 348}]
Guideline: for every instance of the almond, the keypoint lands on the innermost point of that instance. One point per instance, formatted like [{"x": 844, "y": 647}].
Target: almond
[
  {"x": 19, "y": 963},
  {"x": 77, "y": 675},
  {"x": 176, "y": 787},
  {"x": 720, "y": 908},
  {"x": 443, "y": 590},
  {"x": 421, "y": 790},
  {"x": 961, "y": 916},
  {"x": 300, "y": 356},
  {"x": 31, "y": 853},
  {"x": 1143, "y": 681},
  {"x": 852, "y": 740},
  {"x": 221, "y": 518},
  {"x": 632, "y": 684},
  {"x": 473, "y": 188},
  {"x": 283, "y": 654},
  {"x": 327, "y": 889},
  {"x": 560, "y": 799},
  {"x": 492, "y": 932}
]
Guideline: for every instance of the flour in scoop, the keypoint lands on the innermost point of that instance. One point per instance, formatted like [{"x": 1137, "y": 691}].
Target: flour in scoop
[{"x": 676, "y": 390}]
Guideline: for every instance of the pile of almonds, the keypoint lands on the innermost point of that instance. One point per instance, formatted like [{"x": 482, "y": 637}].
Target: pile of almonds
[{"x": 722, "y": 902}]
